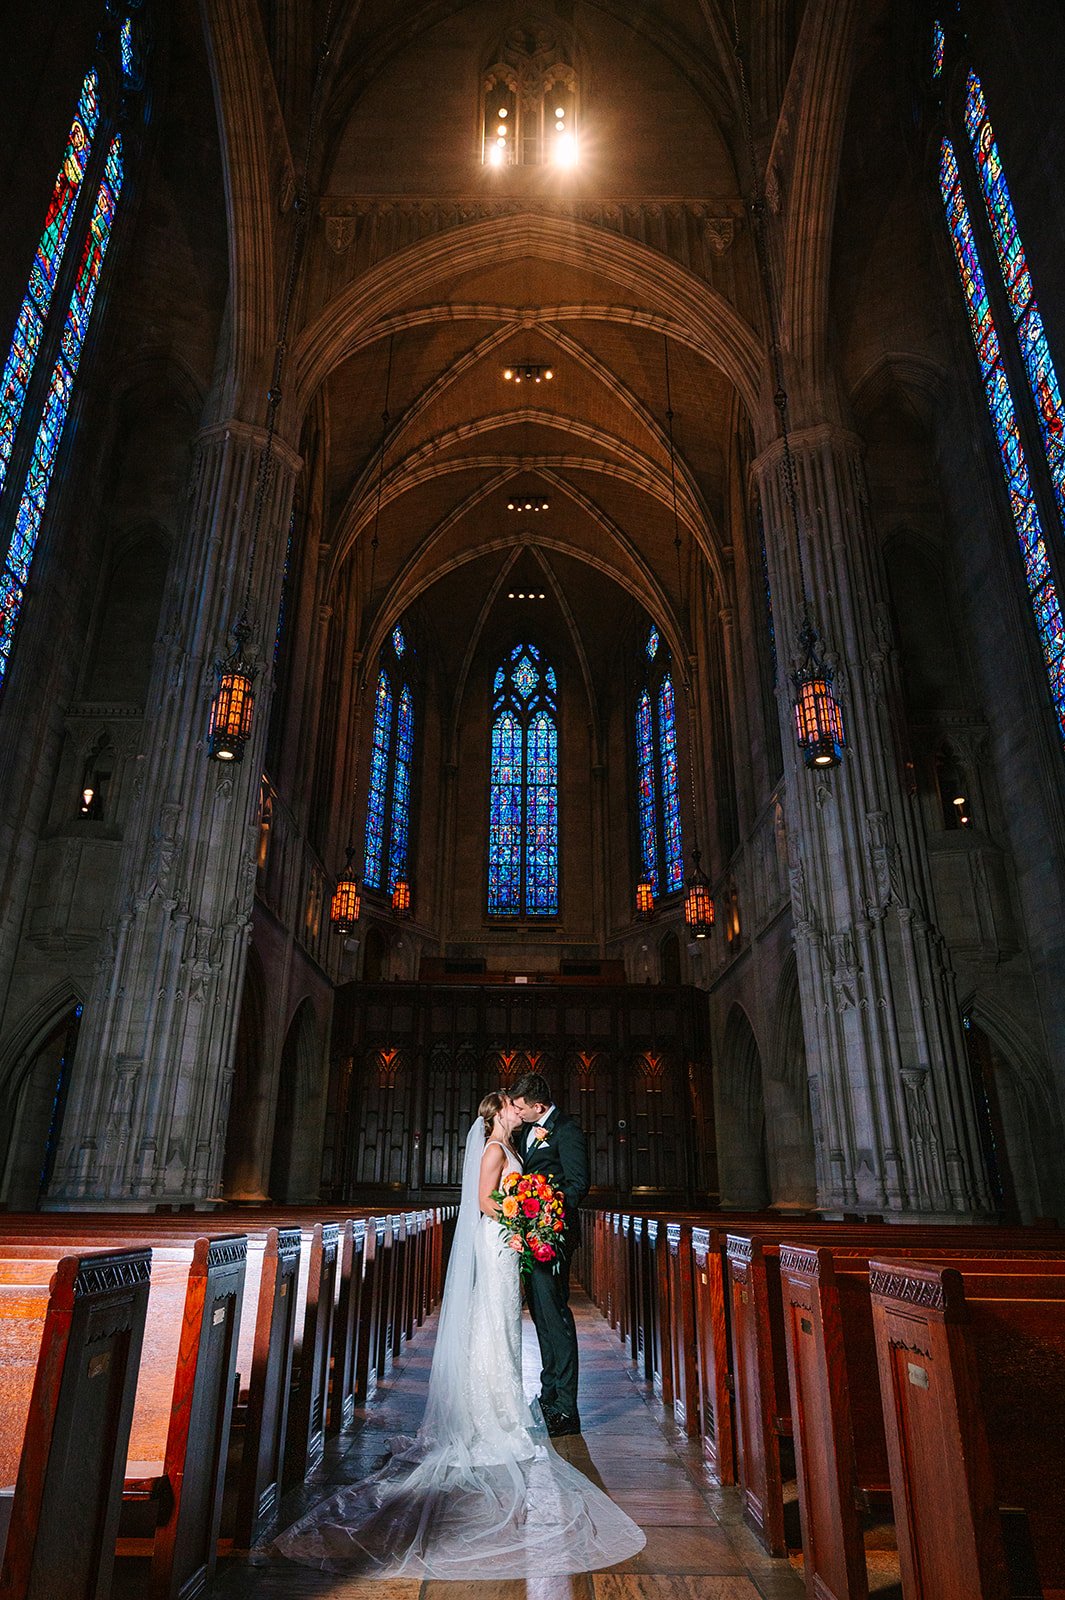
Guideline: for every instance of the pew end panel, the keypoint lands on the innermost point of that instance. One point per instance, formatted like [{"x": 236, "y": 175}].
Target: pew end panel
[{"x": 67, "y": 1494}]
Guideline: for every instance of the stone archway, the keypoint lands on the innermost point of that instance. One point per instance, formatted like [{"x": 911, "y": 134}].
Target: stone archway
[
  {"x": 295, "y": 1156},
  {"x": 32, "y": 1103},
  {"x": 242, "y": 1169},
  {"x": 741, "y": 1119},
  {"x": 790, "y": 1132},
  {"x": 1019, "y": 1128}
]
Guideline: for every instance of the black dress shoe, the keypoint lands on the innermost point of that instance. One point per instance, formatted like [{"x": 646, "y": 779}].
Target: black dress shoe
[{"x": 560, "y": 1425}]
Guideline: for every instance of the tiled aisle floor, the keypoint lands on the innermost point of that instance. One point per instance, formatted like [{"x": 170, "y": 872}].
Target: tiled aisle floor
[{"x": 697, "y": 1546}]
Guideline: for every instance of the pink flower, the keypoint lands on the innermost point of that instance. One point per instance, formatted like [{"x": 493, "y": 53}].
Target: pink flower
[
  {"x": 542, "y": 1252},
  {"x": 531, "y": 1207}
]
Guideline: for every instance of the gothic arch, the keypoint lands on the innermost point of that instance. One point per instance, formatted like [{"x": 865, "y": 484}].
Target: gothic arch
[
  {"x": 299, "y": 1109},
  {"x": 32, "y": 1092},
  {"x": 242, "y": 1164},
  {"x": 1022, "y": 1103},
  {"x": 659, "y": 293},
  {"x": 741, "y": 1118},
  {"x": 789, "y": 1120}
]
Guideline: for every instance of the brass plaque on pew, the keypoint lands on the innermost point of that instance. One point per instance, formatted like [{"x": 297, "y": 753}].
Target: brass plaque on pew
[
  {"x": 918, "y": 1375},
  {"x": 99, "y": 1363},
  {"x": 806, "y": 1325},
  {"x": 219, "y": 1316}
]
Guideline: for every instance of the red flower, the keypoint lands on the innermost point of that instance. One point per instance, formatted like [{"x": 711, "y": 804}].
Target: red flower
[
  {"x": 559, "y": 1225},
  {"x": 531, "y": 1207},
  {"x": 542, "y": 1251}
]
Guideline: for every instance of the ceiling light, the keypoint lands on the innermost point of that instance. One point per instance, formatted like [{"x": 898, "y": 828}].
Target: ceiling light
[
  {"x": 503, "y": 112},
  {"x": 559, "y": 112}
]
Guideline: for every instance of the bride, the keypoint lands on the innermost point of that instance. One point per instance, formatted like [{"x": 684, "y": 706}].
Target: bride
[{"x": 480, "y": 1489}]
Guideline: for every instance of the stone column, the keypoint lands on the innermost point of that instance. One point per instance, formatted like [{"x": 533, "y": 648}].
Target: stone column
[
  {"x": 146, "y": 1119},
  {"x": 895, "y": 1129}
]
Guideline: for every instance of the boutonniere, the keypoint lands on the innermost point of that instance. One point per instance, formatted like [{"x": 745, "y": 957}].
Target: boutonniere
[{"x": 540, "y": 1134}]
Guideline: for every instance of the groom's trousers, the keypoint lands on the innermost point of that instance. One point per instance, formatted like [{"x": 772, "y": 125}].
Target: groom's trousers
[{"x": 548, "y": 1296}]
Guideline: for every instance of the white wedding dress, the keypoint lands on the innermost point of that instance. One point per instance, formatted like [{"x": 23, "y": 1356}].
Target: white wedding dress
[{"x": 480, "y": 1490}]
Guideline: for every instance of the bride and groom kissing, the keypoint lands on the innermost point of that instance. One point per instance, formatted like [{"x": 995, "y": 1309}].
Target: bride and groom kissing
[
  {"x": 481, "y": 1487},
  {"x": 546, "y": 1141}
]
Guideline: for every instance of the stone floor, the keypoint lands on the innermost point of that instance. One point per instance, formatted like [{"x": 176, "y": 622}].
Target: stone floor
[{"x": 697, "y": 1546}]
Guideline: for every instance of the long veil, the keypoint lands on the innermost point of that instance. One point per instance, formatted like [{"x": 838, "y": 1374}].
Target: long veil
[{"x": 442, "y": 1506}]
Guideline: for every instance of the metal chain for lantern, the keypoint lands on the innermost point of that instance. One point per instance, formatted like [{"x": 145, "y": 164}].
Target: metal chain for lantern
[
  {"x": 698, "y": 901},
  {"x": 233, "y": 705},
  {"x": 818, "y": 717}
]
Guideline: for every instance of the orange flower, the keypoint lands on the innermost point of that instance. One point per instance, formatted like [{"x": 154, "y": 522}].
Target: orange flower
[
  {"x": 509, "y": 1207},
  {"x": 510, "y": 1181}
]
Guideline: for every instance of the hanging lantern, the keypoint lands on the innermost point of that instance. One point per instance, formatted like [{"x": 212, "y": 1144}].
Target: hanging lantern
[
  {"x": 233, "y": 703},
  {"x": 347, "y": 900},
  {"x": 401, "y": 895},
  {"x": 818, "y": 718},
  {"x": 698, "y": 902},
  {"x": 645, "y": 896}
]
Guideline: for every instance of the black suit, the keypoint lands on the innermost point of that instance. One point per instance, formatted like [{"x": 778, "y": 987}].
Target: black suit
[{"x": 562, "y": 1157}]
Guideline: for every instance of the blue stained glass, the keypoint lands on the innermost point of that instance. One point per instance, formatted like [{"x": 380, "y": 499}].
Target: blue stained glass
[
  {"x": 29, "y": 326},
  {"x": 667, "y": 750},
  {"x": 505, "y": 822},
  {"x": 1042, "y": 378},
  {"x": 541, "y": 818},
  {"x": 128, "y": 58},
  {"x": 57, "y": 401},
  {"x": 1042, "y": 592},
  {"x": 652, "y": 643},
  {"x": 399, "y": 643},
  {"x": 375, "y": 805},
  {"x": 645, "y": 784},
  {"x": 525, "y": 677},
  {"x": 523, "y": 872},
  {"x": 397, "y": 854},
  {"x": 939, "y": 45}
]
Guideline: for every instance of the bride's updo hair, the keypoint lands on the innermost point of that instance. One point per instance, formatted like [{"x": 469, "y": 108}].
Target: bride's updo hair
[{"x": 489, "y": 1109}]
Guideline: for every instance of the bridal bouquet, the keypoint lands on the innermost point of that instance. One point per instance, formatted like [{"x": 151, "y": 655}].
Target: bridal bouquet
[{"x": 531, "y": 1217}]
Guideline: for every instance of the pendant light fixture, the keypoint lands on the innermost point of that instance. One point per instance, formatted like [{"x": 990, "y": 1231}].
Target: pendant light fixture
[
  {"x": 645, "y": 896},
  {"x": 401, "y": 906},
  {"x": 817, "y": 714},
  {"x": 347, "y": 897},
  {"x": 698, "y": 901},
  {"x": 233, "y": 704}
]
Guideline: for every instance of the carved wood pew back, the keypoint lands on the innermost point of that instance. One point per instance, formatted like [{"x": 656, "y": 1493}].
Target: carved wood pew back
[
  {"x": 69, "y": 1351},
  {"x": 972, "y": 1376},
  {"x": 837, "y": 1420}
]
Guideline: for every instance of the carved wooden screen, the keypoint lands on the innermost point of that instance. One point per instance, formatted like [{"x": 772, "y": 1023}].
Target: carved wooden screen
[{"x": 629, "y": 1062}]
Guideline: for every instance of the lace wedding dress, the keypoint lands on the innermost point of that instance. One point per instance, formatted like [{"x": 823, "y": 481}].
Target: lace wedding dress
[{"x": 480, "y": 1490}]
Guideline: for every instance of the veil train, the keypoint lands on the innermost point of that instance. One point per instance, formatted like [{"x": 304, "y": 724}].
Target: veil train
[{"x": 469, "y": 1495}]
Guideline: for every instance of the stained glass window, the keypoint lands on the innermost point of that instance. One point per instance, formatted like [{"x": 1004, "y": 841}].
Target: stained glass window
[
  {"x": 523, "y": 789},
  {"x": 397, "y": 854},
  {"x": 29, "y": 327},
  {"x": 57, "y": 401},
  {"x": 658, "y": 773},
  {"x": 667, "y": 749},
  {"x": 1028, "y": 323},
  {"x": 375, "y": 805},
  {"x": 399, "y": 642},
  {"x": 939, "y": 42},
  {"x": 1038, "y": 575},
  {"x": 646, "y": 788},
  {"x": 129, "y": 62}
]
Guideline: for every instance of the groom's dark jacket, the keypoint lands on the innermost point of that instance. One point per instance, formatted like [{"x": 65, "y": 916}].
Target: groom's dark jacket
[{"x": 563, "y": 1157}]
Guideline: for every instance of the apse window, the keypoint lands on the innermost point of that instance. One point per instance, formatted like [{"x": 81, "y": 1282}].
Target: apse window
[
  {"x": 560, "y": 126},
  {"x": 523, "y": 788},
  {"x": 499, "y": 124}
]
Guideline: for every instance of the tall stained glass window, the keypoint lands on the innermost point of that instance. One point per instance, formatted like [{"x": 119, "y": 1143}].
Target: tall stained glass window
[
  {"x": 388, "y": 805},
  {"x": 523, "y": 788},
  {"x": 1017, "y": 280},
  {"x": 40, "y": 368},
  {"x": 657, "y": 772},
  {"x": 1001, "y": 401}
]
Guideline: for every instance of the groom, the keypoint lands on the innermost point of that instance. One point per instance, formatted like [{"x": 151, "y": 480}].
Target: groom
[{"x": 553, "y": 1144}]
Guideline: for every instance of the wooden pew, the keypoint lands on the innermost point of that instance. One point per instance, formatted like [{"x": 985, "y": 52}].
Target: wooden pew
[
  {"x": 267, "y": 1372},
  {"x": 972, "y": 1375},
  {"x": 70, "y": 1352},
  {"x": 761, "y": 1388},
  {"x": 344, "y": 1390},
  {"x": 309, "y": 1397},
  {"x": 837, "y": 1420}
]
